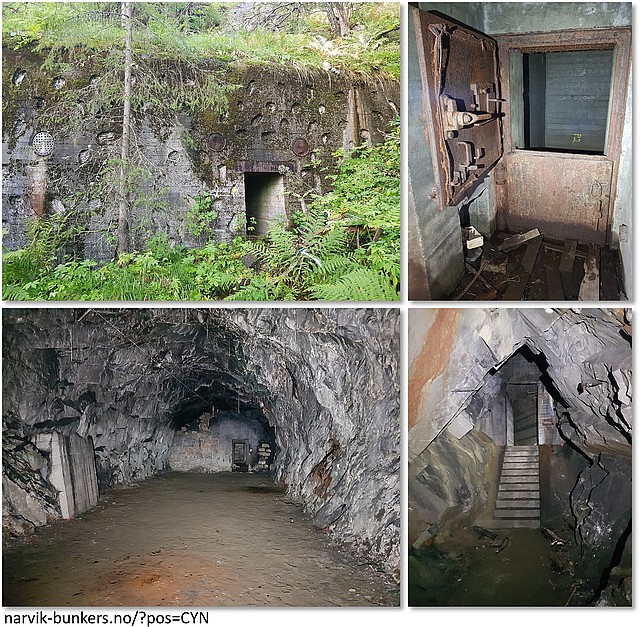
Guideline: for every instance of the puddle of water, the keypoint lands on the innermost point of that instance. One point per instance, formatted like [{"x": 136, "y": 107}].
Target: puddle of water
[{"x": 469, "y": 572}]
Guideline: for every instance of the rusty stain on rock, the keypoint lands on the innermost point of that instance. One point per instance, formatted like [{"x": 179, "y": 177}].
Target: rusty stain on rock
[{"x": 433, "y": 358}]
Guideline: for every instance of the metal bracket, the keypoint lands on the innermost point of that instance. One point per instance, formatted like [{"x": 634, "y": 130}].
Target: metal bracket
[{"x": 453, "y": 120}]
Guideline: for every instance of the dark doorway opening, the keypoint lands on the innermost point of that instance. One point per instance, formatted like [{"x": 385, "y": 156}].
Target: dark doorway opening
[
  {"x": 264, "y": 200},
  {"x": 240, "y": 455}
]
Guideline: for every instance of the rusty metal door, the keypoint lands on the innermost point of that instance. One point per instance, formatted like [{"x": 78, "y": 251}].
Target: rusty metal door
[
  {"x": 461, "y": 96},
  {"x": 566, "y": 195}
]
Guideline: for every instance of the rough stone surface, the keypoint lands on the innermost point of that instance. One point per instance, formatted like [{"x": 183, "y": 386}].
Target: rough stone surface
[
  {"x": 584, "y": 358},
  {"x": 326, "y": 380},
  {"x": 209, "y": 152},
  {"x": 453, "y": 489}
]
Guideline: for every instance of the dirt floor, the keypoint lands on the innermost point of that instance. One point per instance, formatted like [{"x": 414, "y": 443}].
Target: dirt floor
[
  {"x": 187, "y": 539},
  {"x": 468, "y": 571}
]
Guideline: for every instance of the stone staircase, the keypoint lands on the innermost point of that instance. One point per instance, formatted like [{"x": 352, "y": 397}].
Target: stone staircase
[{"x": 518, "y": 501}]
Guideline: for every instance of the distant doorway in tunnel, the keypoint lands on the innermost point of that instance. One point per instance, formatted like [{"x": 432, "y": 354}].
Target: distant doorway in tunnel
[
  {"x": 524, "y": 413},
  {"x": 264, "y": 200},
  {"x": 240, "y": 455}
]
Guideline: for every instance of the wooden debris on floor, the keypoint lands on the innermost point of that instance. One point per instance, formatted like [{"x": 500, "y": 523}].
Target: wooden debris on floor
[
  {"x": 515, "y": 241},
  {"x": 527, "y": 267},
  {"x": 590, "y": 286}
]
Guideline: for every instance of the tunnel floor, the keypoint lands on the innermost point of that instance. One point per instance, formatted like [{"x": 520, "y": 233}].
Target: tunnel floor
[
  {"x": 529, "y": 572},
  {"x": 188, "y": 539},
  {"x": 541, "y": 269}
]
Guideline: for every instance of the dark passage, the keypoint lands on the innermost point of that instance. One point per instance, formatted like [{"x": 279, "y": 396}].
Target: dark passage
[
  {"x": 566, "y": 100},
  {"x": 264, "y": 199}
]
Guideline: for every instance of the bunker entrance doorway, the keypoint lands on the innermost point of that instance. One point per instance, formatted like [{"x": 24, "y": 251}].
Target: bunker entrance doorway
[
  {"x": 264, "y": 200},
  {"x": 524, "y": 413},
  {"x": 240, "y": 461}
]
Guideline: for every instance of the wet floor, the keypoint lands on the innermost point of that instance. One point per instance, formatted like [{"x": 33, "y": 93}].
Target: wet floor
[
  {"x": 529, "y": 572},
  {"x": 187, "y": 539}
]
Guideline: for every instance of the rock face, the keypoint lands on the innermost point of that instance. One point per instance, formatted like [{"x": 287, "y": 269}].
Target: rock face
[
  {"x": 271, "y": 146},
  {"x": 462, "y": 363},
  {"x": 325, "y": 380}
]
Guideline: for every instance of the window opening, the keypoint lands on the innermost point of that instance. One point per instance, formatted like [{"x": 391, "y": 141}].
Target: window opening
[{"x": 565, "y": 100}]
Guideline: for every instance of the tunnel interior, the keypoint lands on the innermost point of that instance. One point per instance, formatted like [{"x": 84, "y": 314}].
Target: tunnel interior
[
  {"x": 515, "y": 404},
  {"x": 529, "y": 463},
  {"x": 126, "y": 395}
]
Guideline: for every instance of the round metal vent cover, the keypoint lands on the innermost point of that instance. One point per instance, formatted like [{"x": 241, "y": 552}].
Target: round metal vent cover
[
  {"x": 43, "y": 144},
  {"x": 300, "y": 147},
  {"x": 216, "y": 142}
]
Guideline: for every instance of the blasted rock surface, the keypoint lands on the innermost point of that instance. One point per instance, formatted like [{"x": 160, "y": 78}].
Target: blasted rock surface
[{"x": 325, "y": 379}]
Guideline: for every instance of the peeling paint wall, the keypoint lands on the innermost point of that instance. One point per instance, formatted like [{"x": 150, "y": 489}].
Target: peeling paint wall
[{"x": 532, "y": 17}]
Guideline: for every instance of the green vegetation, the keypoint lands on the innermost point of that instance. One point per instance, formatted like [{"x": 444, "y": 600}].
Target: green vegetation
[
  {"x": 346, "y": 248},
  {"x": 280, "y": 32}
]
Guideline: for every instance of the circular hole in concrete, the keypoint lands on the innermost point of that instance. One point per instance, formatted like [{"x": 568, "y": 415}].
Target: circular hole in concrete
[
  {"x": 300, "y": 147},
  {"x": 43, "y": 143},
  {"x": 216, "y": 142}
]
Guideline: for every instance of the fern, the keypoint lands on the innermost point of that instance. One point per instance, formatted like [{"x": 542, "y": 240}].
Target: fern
[{"x": 358, "y": 285}]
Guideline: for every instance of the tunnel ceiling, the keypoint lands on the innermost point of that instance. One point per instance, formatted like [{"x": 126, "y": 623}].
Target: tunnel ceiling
[
  {"x": 588, "y": 353},
  {"x": 128, "y": 378}
]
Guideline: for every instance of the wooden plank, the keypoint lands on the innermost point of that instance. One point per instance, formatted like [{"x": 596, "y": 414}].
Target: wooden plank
[
  {"x": 516, "y": 286},
  {"x": 531, "y": 254},
  {"x": 566, "y": 266},
  {"x": 554, "y": 282},
  {"x": 519, "y": 282},
  {"x": 590, "y": 286},
  {"x": 568, "y": 256},
  {"x": 608, "y": 276},
  {"x": 513, "y": 242}
]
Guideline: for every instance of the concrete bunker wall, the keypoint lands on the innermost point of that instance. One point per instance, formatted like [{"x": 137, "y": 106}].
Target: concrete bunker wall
[
  {"x": 279, "y": 123},
  {"x": 210, "y": 449}
]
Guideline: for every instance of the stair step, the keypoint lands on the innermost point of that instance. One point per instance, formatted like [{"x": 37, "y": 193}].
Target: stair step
[
  {"x": 517, "y": 503},
  {"x": 506, "y": 472},
  {"x": 518, "y": 494},
  {"x": 513, "y": 524},
  {"x": 522, "y": 465},
  {"x": 516, "y": 480},
  {"x": 517, "y": 513}
]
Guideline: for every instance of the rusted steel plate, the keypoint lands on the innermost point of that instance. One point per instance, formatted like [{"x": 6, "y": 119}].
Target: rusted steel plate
[
  {"x": 565, "y": 197},
  {"x": 460, "y": 97},
  {"x": 576, "y": 217}
]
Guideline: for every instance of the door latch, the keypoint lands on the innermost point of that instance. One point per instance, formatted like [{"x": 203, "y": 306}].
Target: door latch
[{"x": 453, "y": 120}]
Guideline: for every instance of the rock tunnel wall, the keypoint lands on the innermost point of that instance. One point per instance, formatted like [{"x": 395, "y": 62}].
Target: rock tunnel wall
[
  {"x": 127, "y": 377},
  {"x": 278, "y": 121}
]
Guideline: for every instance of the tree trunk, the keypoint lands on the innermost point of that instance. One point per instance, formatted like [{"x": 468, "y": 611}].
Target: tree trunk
[
  {"x": 339, "y": 14},
  {"x": 123, "y": 213}
]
